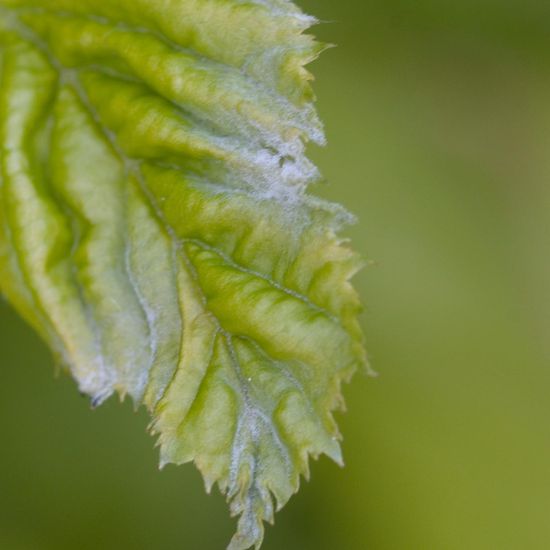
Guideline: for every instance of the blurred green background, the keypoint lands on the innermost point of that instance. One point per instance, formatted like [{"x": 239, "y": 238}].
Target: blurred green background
[{"x": 438, "y": 117}]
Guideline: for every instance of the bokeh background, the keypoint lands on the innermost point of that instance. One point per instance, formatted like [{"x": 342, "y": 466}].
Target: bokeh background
[{"x": 438, "y": 116}]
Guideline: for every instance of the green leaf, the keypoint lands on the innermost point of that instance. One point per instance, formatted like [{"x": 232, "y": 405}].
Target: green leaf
[{"x": 155, "y": 228}]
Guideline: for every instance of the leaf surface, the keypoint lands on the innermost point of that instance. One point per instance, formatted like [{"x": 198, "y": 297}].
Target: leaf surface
[{"x": 155, "y": 228}]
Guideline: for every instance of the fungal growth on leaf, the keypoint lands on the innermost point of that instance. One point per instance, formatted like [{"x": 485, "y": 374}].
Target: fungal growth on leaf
[{"x": 156, "y": 231}]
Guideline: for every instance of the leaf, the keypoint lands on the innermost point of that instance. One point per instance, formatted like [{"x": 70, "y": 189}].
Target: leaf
[{"x": 155, "y": 228}]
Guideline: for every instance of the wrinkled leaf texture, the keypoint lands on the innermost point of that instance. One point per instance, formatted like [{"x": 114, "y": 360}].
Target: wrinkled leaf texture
[{"x": 156, "y": 231}]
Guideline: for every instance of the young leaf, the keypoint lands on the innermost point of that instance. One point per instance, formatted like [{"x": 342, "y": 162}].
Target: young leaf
[{"x": 156, "y": 231}]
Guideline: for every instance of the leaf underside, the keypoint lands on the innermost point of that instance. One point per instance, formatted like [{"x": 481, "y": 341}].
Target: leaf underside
[{"x": 156, "y": 231}]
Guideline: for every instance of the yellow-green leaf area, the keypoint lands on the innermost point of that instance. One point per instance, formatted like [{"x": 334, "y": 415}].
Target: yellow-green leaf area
[{"x": 156, "y": 229}]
